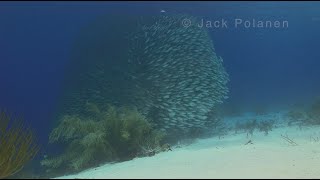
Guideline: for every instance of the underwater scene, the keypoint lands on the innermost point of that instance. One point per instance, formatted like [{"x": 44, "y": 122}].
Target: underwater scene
[{"x": 159, "y": 90}]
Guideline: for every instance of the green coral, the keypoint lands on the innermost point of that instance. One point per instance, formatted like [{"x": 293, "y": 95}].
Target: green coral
[
  {"x": 72, "y": 127},
  {"x": 111, "y": 134}
]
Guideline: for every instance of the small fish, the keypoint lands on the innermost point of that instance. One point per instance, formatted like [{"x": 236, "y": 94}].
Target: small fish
[{"x": 186, "y": 76}]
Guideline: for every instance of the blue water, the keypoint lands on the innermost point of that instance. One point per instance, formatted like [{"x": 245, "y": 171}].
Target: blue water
[{"x": 272, "y": 67}]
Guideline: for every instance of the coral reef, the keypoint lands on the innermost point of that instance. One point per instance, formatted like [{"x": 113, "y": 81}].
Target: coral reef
[
  {"x": 113, "y": 134},
  {"x": 17, "y": 145},
  {"x": 150, "y": 68}
]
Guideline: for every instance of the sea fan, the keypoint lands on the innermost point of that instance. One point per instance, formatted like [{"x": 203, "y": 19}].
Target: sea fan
[{"x": 17, "y": 144}]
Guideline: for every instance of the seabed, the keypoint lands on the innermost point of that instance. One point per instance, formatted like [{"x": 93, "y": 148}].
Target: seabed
[{"x": 286, "y": 152}]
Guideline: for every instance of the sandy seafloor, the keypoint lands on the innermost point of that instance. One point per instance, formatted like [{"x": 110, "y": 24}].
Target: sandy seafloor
[{"x": 269, "y": 156}]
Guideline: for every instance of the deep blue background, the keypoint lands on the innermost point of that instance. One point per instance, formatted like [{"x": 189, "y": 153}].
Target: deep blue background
[{"x": 266, "y": 66}]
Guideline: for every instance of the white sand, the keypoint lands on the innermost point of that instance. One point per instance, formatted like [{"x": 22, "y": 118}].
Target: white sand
[{"x": 268, "y": 157}]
